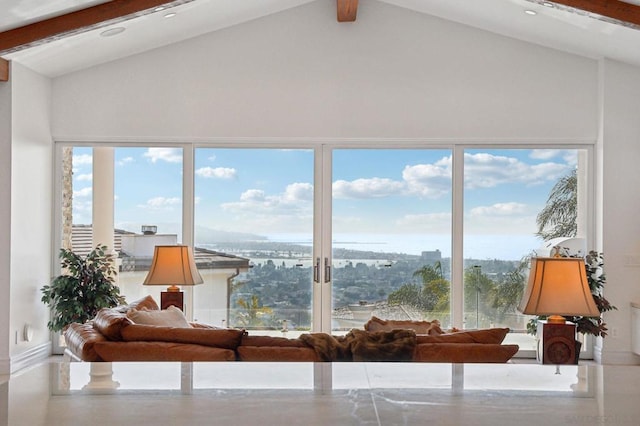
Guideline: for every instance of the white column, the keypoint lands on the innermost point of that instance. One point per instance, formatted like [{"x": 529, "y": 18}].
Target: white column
[
  {"x": 103, "y": 194},
  {"x": 101, "y": 374}
]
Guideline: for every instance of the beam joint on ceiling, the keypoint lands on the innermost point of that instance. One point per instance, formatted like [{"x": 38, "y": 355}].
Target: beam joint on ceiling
[
  {"x": 79, "y": 21},
  {"x": 4, "y": 70},
  {"x": 347, "y": 10}
]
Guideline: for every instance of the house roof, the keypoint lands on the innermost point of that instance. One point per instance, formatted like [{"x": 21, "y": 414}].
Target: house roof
[
  {"x": 82, "y": 244},
  {"x": 555, "y": 25}
]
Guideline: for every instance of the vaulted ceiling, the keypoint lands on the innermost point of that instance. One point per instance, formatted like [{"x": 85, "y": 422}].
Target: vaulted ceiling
[{"x": 58, "y": 37}]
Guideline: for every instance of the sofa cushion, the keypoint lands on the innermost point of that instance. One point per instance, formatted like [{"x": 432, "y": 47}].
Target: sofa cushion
[
  {"x": 170, "y": 317},
  {"x": 420, "y": 327},
  {"x": 272, "y": 341},
  {"x": 464, "y": 352},
  {"x": 486, "y": 336},
  {"x": 221, "y": 338},
  {"x": 161, "y": 351},
  {"x": 110, "y": 322},
  {"x": 145, "y": 302},
  {"x": 277, "y": 353},
  {"x": 81, "y": 340}
]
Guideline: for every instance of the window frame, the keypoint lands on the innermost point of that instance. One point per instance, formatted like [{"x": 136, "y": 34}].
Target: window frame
[{"x": 323, "y": 149}]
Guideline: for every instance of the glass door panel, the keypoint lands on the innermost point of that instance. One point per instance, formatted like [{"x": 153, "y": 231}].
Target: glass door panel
[
  {"x": 254, "y": 236},
  {"x": 505, "y": 191},
  {"x": 391, "y": 235},
  {"x": 147, "y": 212}
]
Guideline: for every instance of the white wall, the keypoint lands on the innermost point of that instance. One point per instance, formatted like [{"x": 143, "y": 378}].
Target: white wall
[
  {"x": 5, "y": 222},
  {"x": 391, "y": 74},
  {"x": 621, "y": 204},
  {"x": 31, "y": 212}
]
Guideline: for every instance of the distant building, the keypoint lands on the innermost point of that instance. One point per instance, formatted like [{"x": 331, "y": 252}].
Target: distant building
[
  {"x": 431, "y": 257},
  {"x": 211, "y": 300},
  {"x": 135, "y": 251}
]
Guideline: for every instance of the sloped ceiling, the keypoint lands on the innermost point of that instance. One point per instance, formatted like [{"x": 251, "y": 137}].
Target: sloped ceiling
[{"x": 553, "y": 27}]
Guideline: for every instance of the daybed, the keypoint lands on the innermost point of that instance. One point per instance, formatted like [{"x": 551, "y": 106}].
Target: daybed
[{"x": 141, "y": 332}]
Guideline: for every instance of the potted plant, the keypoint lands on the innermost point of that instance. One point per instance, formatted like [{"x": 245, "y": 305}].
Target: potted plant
[
  {"x": 594, "y": 264},
  {"x": 86, "y": 286}
]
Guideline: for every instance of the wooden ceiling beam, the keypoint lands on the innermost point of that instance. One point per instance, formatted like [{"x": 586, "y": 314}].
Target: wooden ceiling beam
[
  {"x": 4, "y": 70},
  {"x": 79, "y": 21},
  {"x": 616, "y": 11},
  {"x": 347, "y": 10}
]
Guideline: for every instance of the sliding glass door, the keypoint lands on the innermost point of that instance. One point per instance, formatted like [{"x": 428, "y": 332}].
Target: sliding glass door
[
  {"x": 517, "y": 203},
  {"x": 323, "y": 237},
  {"x": 254, "y": 222},
  {"x": 391, "y": 235}
]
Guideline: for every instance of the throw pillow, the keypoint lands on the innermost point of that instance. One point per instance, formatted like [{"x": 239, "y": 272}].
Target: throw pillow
[
  {"x": 420, "y": 327},
  {"x": 145, "y": 302},
  {"x": 109, "y": 322},
  {"x": 170, "y": 317},
  {"x": 490, "y": 335}
]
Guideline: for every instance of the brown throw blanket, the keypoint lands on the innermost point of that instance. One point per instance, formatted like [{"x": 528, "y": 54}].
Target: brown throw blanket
[{"x": 360, "y": 345}]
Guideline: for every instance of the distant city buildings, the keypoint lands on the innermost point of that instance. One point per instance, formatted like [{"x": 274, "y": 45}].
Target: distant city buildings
[{"x": 431, "y": 257}]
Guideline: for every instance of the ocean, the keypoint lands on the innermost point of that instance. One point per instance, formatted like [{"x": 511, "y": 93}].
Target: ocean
[{"x": 503, "y": 247}]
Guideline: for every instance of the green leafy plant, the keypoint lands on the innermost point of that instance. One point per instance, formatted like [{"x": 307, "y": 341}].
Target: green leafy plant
[
  {"x": 86, "y": 286},
  {"x": 594, "y": 264}
]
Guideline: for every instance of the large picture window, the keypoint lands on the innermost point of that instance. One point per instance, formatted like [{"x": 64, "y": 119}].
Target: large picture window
[{"x": 288, "y": 237}]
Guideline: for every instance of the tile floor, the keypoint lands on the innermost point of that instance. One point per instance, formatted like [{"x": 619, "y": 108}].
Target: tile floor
[{"x": 309, "y": 394}]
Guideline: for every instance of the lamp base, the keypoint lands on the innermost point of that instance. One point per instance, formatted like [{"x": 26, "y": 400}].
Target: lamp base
[
  {"x": 172, "y": 298},
  {"x": 556, "y": 343}
]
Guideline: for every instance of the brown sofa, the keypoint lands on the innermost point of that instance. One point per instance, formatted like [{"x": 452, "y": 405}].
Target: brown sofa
[{"x": 113, "y": 336}]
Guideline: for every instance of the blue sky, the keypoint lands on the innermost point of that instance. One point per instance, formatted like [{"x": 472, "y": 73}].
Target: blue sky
[{"x": 375, "y": 192}]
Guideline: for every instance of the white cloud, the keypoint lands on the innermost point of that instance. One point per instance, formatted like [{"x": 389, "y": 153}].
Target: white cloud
[
  {"x": 158, "y": 203},
  {"x": 428, "y": 222},
  {"x": 424, "y": 180},
  {"x": 218, "y": 172},
  {"x": 125, "y": 161},
  {"x": 367, "y": 188},
  {"x": 83, "y": 159},
  {"x": 297, "y": 198},
  {"x": 169, "y": 155},
  {"x": 83, "y": 192},
  {"x": 484, "y": 170},
  {"x": 86, "y": 177},
  {"x": 544, "y": 154},
  {"x": 500, "y": 209},
  {"x": 568, "y": 155},
  {"x": 290, "y": 210},
  {"x": 298, "y": 192},
  {"x": 500, "y": 219},
  {"x": 429, "y": 180}
]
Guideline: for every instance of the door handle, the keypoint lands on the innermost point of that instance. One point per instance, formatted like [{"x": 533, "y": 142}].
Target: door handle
[
  {"x": 327, "y": 270},
  {"x": 316, "y": 271}
]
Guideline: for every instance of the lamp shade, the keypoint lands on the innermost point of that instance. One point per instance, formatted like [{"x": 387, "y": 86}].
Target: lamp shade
[
  {"x": 558, "y": 286},
  {"x": 173, "y": 265}
]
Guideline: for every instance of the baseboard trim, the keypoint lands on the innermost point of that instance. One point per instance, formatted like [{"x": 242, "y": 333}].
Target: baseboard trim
[
  {"x": 30, "y": 357},
  {"x": 619, "y": 358}
]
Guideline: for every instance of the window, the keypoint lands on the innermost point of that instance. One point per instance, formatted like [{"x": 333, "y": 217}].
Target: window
[
  {"x": 254, "y": 217},
  {"x": 391, "y": 224},
  {"x": 288, "y": 238},
  {"x": 505, "y": 191}
]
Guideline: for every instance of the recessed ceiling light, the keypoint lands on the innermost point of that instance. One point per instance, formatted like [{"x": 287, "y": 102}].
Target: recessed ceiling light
[
  {"x": 159, "y": 8},
  {"x": 547, "y": 3},
  {"x": 112, "y": 31},
  {"x": 531, "y": 12},
  {"x": 170, "y": 15}
]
